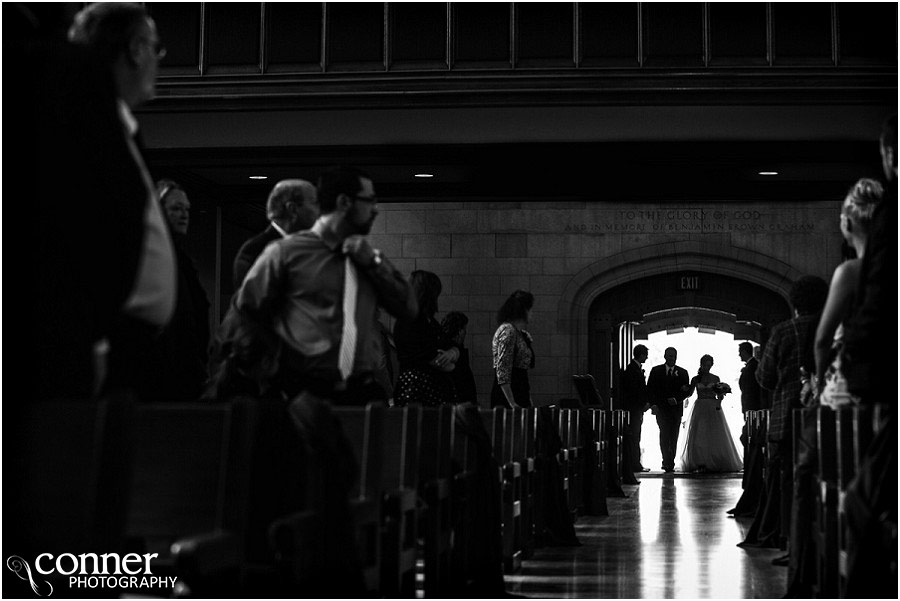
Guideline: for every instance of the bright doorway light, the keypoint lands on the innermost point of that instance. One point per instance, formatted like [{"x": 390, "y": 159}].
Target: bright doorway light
[{"x": 691, "y": 345}]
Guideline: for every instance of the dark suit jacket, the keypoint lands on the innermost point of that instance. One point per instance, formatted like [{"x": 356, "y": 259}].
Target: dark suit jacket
[
  {"x": 634, "y": 388},
  {"x": 250, "y": 251},
  {"x": 87, "y": 201},
  {"x": 661, "y": 387},
  {"x": 750, "y": 392},
  {"x": 175, "y": 366}
]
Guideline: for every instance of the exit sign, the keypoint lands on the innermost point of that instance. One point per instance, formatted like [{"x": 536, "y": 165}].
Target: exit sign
[{"x": 689, "y": 282}]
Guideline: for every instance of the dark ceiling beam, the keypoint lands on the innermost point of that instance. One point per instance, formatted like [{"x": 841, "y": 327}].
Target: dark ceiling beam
[{"x": 788, "y": 86}]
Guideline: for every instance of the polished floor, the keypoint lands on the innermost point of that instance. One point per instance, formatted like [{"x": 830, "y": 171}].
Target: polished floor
[{"x": 670, "y": 538}]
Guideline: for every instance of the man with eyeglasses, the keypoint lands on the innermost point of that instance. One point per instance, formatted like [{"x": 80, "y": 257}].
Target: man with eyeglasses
[
  {"x": 122, "y": 37},
  {"x": 297, "y": 286},
  {"x": 98, "y": 250},
  {"x": 319, "y": 291}
]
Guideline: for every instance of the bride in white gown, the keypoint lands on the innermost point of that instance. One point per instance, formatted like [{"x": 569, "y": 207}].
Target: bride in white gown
[{"x": 708, "y": 443}]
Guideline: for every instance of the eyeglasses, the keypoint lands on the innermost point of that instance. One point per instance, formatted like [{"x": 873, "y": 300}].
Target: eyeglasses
[
  {"x": 159, "y": 51},
  {"x": 372, "y": 199}
]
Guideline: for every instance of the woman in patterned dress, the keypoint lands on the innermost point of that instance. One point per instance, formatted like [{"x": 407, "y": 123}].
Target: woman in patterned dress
[
  {"x": 425, "y": 353},
  {"x": 512, "y": 352}
]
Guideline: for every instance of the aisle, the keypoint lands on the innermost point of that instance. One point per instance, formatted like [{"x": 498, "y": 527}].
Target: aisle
[{"x": 669, "y": 539}]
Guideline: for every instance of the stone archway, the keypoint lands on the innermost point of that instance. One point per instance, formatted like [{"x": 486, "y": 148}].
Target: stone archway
[{"x": 691, "y": 256}]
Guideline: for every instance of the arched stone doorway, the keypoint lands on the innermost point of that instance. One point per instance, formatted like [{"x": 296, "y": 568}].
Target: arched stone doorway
[{"x": 653, "y": 288}]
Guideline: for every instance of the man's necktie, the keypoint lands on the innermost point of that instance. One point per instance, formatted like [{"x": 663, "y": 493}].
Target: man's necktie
[{"x": 348, "y": 335}]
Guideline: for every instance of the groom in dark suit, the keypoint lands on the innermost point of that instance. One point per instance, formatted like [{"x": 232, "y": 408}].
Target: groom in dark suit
[
  {"x": 668, "y": 386},
  {"x": 635, "y": 401},
  {"x": 750, "y": 390}
]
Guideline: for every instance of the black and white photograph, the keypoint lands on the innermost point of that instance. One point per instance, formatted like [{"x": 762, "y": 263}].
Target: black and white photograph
[{"x": 352, "y": 300}]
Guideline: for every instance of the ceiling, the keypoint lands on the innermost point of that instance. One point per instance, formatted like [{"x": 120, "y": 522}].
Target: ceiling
[{"x": 653, "y": 171}]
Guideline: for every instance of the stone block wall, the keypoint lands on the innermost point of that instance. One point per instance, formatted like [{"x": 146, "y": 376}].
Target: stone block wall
[{"x": 484, "y": 251}]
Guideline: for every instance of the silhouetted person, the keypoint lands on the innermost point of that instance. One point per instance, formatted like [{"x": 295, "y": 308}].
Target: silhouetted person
[
  {"x": 318, "y": 291},
  {"x": 297, "y": 288},
  {"x": 454, "y": 327},
  {"x": 856, "y": 219},
  {"x": 89, "y": 196},
  {"x": 751, "y": 400},
  {"x": 426, "y": 355},
  {"x": 668, "y": 387},
  {"x": 175, "y": 369},
  {"x": 870, "y": 503},
  {"x": 512, "y": 352},
  {"x": 101, "y": 252},
  {"x": 868, "y": 368},
  {"x": 293, "y": 205},
  {"x": 636, "y": 401},
  {"x": 789, "y": 347},
  {"x": 708, "y": 444},
  {"x": 124, "y": 38}
]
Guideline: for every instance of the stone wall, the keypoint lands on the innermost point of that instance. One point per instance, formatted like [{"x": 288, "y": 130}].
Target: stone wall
[{"x": 484, "y": 251}]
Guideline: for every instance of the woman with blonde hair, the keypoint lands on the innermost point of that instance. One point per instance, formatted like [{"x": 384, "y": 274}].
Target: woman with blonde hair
[{"x": 855, "y": 219}]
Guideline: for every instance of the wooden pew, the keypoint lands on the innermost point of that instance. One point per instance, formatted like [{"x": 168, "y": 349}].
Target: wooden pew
[
  {"x": 400, "y": 511},
  {"x": 576, "y": 465},
  {"x": 826, "y": 507},
  {"x": 364, "y": 427},
  {"x": 499, "y": 422},
  {"x": 593, "y": 427},
  {"x": 856, "y": 430},
  {"x": 67, "y": 471},
  {"x": 190, "y": 491},
  {"x": 615, "y": 429},
  {"x": 464, "y": 484},
  {"x": 523, "y": 454},
  {"x": 435, "y": 479},
  {"x": 566, "y": 457}
]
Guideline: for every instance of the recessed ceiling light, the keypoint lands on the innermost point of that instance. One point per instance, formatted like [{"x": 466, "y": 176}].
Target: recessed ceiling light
[
  {"x": 768, "y": 173},
  {"x": 424, "y": 175},
  {"x": 259, "y": 177}
]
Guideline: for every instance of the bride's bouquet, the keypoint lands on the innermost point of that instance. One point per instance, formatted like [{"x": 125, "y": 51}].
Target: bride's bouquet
[{"x": 721, "y": 388}]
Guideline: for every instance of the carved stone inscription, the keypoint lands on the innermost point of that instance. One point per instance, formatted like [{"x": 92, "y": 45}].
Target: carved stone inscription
[{"x": 690, "y": 220}]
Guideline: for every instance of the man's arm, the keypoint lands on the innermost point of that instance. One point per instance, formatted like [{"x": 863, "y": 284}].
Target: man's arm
[
  {"x": 683, "y": 382},
  {"x": 258, "y": 293},
  {"x": 393, "y": 291},
  {"x": 653, "y": 386}
]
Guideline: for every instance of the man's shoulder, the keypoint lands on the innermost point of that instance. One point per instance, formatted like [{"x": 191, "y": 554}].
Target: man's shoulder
[
  {"x": 305, "y": 241},
  {"x": 259, "y": 241}
]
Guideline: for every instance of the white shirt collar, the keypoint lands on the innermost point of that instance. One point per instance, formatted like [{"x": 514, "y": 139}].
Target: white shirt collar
[
  {"x": 277, "y": 227},
  {"x": 131, "y": 124}
]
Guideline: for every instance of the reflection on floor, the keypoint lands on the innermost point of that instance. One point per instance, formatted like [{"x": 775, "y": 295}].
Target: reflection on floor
[{"x": 670, "y": 538}]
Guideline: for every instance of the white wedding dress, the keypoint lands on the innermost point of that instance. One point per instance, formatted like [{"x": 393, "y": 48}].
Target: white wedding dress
[{"x": 708, "y": 443}]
